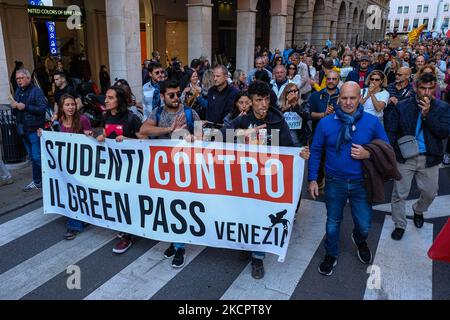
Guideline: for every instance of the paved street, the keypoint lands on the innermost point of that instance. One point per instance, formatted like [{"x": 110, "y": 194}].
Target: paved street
[{"x": 34, "y": 259}]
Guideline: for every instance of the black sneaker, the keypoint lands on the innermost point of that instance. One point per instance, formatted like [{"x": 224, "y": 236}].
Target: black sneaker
[
  {"x": 178, "y": 259},
  {"x": 170, "y": 251},
  {"x": 397, "y": 234},
  {"x": 418, "y": 220},
  {"x": 257, "y": 269},
  {"x": 364, "y": 253},
  {"x": 326, "y": 267}
]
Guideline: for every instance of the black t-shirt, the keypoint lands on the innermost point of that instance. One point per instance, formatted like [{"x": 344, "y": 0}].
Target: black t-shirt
[
  {"x": 125, "y": 124},
  {"x": 67, "y": 90}
]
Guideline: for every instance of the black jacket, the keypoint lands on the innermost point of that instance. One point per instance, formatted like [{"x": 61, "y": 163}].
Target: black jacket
[
  {"x": 220, "y": 103},
  {"x": 274, "y": 121},
  {"x": 436, "y": 126},
  {"x": 304, "y": 135}
]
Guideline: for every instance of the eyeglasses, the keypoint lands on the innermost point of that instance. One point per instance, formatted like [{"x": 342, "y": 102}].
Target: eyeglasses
[
  {"x": 375, "y": 79},
  {"x": 172, "y": 95}
]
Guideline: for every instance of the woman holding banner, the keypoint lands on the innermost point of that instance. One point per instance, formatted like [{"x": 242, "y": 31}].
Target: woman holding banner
[
  {"x": 119, "y": 123},
  {"x": 296, "y": 115},
  {"x": 71, "y": 121}
]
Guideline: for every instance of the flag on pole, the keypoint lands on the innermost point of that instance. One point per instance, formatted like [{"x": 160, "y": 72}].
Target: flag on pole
[{"x": 415, "y": 33}]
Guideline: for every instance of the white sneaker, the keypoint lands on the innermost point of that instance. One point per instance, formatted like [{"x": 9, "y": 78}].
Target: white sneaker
[
  {"x": 6, "y": 181},
  {"x": 32, "y": 186},
  {"x": 446, "y": 160}
]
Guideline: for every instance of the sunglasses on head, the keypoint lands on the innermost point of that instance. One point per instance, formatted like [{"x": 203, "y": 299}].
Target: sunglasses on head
[{"x": 172, "y": 95}]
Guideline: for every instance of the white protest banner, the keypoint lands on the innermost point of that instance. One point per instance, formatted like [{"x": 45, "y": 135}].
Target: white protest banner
[
  {"x": 293, "y": 120},
  {"x": 345, "y": 71},
  {"x": 212, "y": 194}
]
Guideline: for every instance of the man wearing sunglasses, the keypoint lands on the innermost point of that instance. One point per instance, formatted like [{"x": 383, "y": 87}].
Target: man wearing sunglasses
[
  {"x": 399, "y": 90},
  {"x": 151, "y": 95},
  {"x": 163, "y": 122},
  {"x": 173, "y": 116}
]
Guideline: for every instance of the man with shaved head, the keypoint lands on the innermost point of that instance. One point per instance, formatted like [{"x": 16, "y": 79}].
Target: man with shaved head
[
  {"x": 399, "y": 90},
  {"x": 342, "y": 136}
]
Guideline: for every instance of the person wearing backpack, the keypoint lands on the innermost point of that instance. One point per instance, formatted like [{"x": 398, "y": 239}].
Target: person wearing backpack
[{"x": 162, "y": 123}]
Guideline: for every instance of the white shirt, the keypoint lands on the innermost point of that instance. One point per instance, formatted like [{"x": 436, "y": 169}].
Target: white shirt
[{"x": 382, "y": 96}]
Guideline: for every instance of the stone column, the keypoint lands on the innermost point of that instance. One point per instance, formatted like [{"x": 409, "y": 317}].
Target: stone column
[
  {"x": 4, "y": 77},
  {"x": 278, "y": 31},
  {"x": 278, "y": 21},
  {"x": 199, "y": 29},
  {"x": 245, "y": 47},
  {"x": 124, "y": 43}
]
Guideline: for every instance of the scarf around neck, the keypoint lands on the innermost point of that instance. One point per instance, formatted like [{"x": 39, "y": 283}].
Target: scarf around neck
[{"x": 348, "y": 121}]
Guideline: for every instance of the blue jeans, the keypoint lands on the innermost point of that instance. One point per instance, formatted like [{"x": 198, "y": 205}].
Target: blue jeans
[
  {"x": 179, "y": 245},
  {"x": 337, "y": 191},
  {"x": 74, "y": 225},
  {"x": 33, "y": 145}
]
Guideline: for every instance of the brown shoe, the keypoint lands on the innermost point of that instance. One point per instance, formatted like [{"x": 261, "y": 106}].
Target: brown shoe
[{"x": 257, "y": 269}]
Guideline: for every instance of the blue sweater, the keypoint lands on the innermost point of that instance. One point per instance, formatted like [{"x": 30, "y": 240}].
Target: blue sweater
[{"x": 342, "y": 165}]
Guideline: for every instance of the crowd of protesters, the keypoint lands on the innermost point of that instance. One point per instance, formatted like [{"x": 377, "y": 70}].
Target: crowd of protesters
[{"x": 359, "y": 113}]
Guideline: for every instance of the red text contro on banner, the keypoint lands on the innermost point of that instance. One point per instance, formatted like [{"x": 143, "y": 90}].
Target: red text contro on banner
[{"x": 222, "y": 172}]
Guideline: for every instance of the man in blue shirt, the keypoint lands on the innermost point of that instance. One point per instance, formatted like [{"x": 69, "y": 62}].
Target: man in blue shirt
[{"x": 342, "y": 135}]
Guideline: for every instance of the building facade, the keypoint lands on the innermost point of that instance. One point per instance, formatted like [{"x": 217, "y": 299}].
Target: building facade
[
  {"x": 122, "y": 33},
  {"x": 406, "y": 15}
]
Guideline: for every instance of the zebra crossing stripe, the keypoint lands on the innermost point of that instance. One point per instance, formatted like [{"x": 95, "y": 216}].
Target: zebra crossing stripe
[
  {"x": 14, "y": 229},
  {"x": 281, "y": 279},
  {"x": 439, "y": 208},
  {"x": 405, "y": 271},
  {"x": 29, "y": 275},
  {"x": 144, "y": 277}
]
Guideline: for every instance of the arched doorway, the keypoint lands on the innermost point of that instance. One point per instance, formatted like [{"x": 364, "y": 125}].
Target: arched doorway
[
  {"x": 320, "y": 25},
  {"x": 341, "y": 34},
  {"x": 353, "y": 30},
  {"x": 146, "y": 27},
  {"x": 302, "y": 18},
  {"x": 224, "y": 25},
  {"x": 361, "y": 26},
  {"x": 263, "y": 24}
]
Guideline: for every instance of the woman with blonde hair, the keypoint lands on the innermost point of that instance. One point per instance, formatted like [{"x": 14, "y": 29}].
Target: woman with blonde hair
[
  {"x": 375, "y": 98},
  {"x": 239, "y": 80},
  {"x": 296, "y": 115}
]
